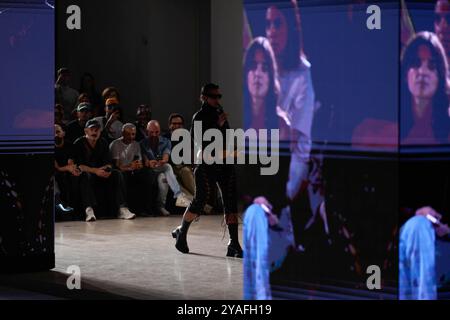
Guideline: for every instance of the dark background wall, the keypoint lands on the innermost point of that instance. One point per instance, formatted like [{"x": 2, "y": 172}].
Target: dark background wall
[{"x": 156, "y": 52}]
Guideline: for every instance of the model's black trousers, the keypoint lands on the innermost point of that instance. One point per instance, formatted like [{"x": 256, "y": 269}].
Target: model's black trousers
[{"x": 206, "y": 177}]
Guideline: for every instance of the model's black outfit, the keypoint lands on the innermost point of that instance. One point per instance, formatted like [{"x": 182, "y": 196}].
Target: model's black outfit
[{"x": 206, "y": 175}]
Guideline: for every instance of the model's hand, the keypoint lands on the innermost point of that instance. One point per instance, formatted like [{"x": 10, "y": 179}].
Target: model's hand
[{"x": 223, "y": 117}]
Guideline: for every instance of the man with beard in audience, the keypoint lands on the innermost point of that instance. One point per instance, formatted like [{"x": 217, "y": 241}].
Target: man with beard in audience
[
  {"x": 156, "y": 153},
  {"x": 126, "y": 154},
  {"x": 91, "y": 153}
]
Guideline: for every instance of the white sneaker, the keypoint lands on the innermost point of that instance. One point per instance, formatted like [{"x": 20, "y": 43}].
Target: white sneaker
[
  {"x": 164, "y": 212},
  {"x": 182, "y": 200},
  {"x": 90, "y": 216},
  {"x": 126, "y": 214}
]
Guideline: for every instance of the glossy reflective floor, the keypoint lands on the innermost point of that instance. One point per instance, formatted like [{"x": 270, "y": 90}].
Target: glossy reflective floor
[{"x": 137, "y": 258}]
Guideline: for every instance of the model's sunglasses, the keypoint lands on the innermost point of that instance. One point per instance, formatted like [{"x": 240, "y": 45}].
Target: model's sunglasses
[{"x": 214, "y": 96}]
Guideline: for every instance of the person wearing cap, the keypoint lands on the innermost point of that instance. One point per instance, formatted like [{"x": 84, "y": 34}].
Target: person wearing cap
[
  {"x": 110, "y": 124},
  {"x": 64, "y": 94},
  {"x": 75, "y": 128},
  {"x": 140, "y": 180},
  {"x": 91, "y": 153}
]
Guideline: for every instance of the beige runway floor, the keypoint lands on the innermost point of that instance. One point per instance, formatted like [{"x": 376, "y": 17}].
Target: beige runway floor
[{"x": 137, "y": 258}]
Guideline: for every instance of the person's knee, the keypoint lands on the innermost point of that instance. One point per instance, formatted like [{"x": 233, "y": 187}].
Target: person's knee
[
  {"x": 166, "y": 168},
  {"x": 162, "y": 179},
  {"x": 186, "y": 171},
  {"x": 116, "y": 176}
]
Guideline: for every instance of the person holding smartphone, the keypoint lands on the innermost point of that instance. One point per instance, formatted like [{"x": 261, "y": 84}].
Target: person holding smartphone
[
  {"x": 110, "y": 124},
  {"x": 140, "y": 180},
  {"x": 156, "y": 153},
  {"x": 91, "y": 153}
]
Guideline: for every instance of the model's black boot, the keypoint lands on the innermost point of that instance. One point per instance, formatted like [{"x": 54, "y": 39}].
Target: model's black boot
[
  {"x": 234, "y": 248},
  {"x": 180, "y": 233}
]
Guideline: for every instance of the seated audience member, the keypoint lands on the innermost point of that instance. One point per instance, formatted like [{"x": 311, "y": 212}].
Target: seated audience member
[
  {"x": 91, "y": 153},
  {"x": 417, "y": 255},
  {"x": 83, "y": 97},
  {"x": 182, "y": 171},
  {"x": 59, "y": 116},
  {"x": 64, "y": 94},
  {"x": 75, "y": 128},
  {"x": 110, "y": 92},
  {"x": 110, "y": 124},
  {"x": 65, "y": 170},
  {"x": 156, "y": 152},
  {"x": 143, "y": 116},
  {"x": 126, "y": 153}
]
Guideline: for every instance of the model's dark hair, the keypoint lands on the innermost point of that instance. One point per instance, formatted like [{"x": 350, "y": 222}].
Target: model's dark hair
[
  {"x": 207, "y": 88},
  {"x": 440, "y": 101},
  {"x": 294, "y": 47},
  {"x": 271, "y": 118}
]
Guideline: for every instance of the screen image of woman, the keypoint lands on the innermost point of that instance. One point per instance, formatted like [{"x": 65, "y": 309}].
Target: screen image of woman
[
  {"x": 424, "y": 111},
  {"x": 261, "y": 86}
]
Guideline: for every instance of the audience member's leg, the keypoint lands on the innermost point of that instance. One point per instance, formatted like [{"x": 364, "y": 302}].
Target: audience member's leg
[
  {"x": 117, "y": 194},
  {"x": 88, "y": 201},
  {"x": 171, "y": 179},
  {"x": 187, "y": 178},
  {"x": 163, "y": 189}
]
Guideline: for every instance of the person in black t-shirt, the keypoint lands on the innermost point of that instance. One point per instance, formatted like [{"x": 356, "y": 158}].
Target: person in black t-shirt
[
  {"x": 91, "y": 153},
  {"x": 75, "y": 128}
]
